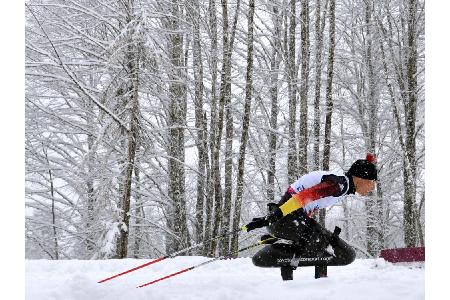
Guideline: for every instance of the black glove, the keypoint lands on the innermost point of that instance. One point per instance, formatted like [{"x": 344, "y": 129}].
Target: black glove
[
  {"x": 256, "y": 223},
  {"x": 264, "y": 221}
]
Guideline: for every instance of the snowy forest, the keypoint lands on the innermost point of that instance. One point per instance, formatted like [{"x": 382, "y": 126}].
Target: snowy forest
[{"x": 153, "y": 125}]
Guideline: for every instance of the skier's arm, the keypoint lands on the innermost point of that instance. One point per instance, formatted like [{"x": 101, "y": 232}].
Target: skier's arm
[
  {"x": 297, "y": 201},
  {"x": 302, "y": 198}
]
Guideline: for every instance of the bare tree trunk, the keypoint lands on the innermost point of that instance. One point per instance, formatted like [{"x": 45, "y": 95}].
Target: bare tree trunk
[
  {"x": 292, "y": 92},
  {"x": 319, "y": 27},
  {"x": 408, "y": 206},
  {"x": 303, "y": 132},
  {"x": 274, "y": 69},
  {"x": 89, "y": 180},
  {"x": 410, "y": 121},
  {"x": 210, "y": 173},
  {"x": 419, "y": 223},
  {"x": 329, "y": 101},
  {"x": 222, "y": 217},
  {"x": 122, "y": 161},
  {"x": 226, "y": 220},
  {"x": 201, "y": 134},
  {"x": 218, "y": 197},
  {"x": 245, "y": 125},
  {"x": 227, "y": 201},
  {"x": 373, "y": 222},
  {"x": 381, "y": 228},
  {"x": 344, "y": 203},
  {"x": 177, "y": 119},
  {"x": 52, "y": 193},
  {"x": 132, "y": 144},
  {"x": 138, "y": 211},
  {"x": 132, "y": 62}
]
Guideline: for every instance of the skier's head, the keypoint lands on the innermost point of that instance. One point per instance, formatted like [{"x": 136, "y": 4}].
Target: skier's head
[{"x": 364, "y": 174}]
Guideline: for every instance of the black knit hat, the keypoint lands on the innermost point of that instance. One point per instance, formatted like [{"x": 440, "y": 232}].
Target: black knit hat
[{"x": 364, "y": 168}]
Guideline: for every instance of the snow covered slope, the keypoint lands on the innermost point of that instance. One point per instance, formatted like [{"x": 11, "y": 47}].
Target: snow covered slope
[{"x": 226, "y": 279}]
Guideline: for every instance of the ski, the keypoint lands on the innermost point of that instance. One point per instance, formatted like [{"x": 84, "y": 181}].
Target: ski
[
  {"x": 262, "y": 242},
  {"x": 172, "y": 254}
]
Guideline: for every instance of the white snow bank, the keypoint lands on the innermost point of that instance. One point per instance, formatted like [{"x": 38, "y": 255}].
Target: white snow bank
[{"x": 226, "y": 279}]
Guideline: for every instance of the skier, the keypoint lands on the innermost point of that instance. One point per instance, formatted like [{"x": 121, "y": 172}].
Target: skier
[{"x": 302, "y": 241}]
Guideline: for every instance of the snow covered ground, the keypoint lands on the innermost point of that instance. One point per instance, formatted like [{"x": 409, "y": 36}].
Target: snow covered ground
[{"x": 226, "y": 279}]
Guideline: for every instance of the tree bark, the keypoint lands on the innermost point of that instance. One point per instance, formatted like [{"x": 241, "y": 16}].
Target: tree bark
[
  {"x": 319, "y": 27},
  {"x": 91, "y": 201},
  {"x": 199, "y": 122},
  {"x": 303, "y": 132},
  {"x": 222, "y": 217},
  {"x": 373, "y": 223},
  {"x": 245, "y": 125},
  {"x": 52, "y": 193},
  {"x": 132, "y": 61},
  {"x": 177, "y": 120},
  {"x": 292, "y": 93},
  {"x": 225, "y": 77},
  {"x": 274, "y": 74},
  {"x": 210, "y": 173},
  {"x": 138, "y": 211},
  {"x": 329, "y": 101},
  {"x": 410, "y": 121}
]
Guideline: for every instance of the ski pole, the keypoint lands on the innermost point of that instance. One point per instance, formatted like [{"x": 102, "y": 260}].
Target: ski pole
[
  {"x": 209, "y": 261},
  {"x": 172, "y": 254}
]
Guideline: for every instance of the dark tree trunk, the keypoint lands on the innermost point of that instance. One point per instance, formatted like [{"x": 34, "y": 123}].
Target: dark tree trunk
[
  {"x": 132, "y": 61},
  {"x": 210, "y": 171},
  {"x": 52, "y": 194},
  {"x": 329, "y": 101},
  {"x": 225, "y": 78},
  {"x": 292, "y": 93},
  {"x": 274, "y": 69},
  {"x": 303, "y": 132},
  {"x": 245, "y": 125},
  {"x": 177, "y": 120},
  {"x": 199, "y": 122},
  {"x": 373, "y": 205},
  {"x": 138, "y": 211},
  {"x": 410, "y": 121},
  {"x": 319, "y": 28}
]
